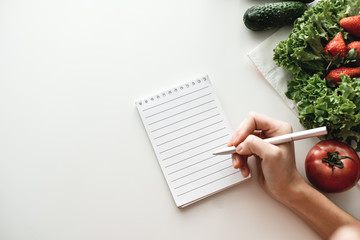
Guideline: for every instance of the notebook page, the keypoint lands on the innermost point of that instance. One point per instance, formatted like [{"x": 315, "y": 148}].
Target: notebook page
[{"x": 186, "y": 125}]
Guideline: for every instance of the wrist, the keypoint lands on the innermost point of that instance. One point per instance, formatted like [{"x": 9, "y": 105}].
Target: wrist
[
  {"x": 294, "y": 192},
  {"x": 313, "y": 207}
]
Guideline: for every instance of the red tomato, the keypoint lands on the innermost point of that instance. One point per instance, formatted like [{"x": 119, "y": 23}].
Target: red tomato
[{"x": 332, "y": 166}]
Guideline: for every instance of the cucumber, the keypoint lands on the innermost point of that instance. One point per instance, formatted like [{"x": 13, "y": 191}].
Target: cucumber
[{"x": 273, "y": 15}]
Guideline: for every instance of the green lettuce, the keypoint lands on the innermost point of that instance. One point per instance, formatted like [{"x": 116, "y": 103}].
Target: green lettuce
[
  {"x": 303, "y": 50},
  {"x": 320, "y": 103},
  {"x": 337, "y": 108}
]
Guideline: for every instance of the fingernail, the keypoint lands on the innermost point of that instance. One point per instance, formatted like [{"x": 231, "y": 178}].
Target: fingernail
[
  {"x": 239, "y": 148},
  {"x": 231, "y": 142},
  {"x": 244, "y": 172},
  {"x": 237, "y": 139},
  {"x": 235, "y": 162}
]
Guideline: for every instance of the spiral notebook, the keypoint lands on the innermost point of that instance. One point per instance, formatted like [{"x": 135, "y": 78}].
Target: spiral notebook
[{"x": 185, "y": 125}]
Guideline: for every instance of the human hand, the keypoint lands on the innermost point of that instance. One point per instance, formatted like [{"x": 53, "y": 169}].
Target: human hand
[{"x": 276, "y": 163}]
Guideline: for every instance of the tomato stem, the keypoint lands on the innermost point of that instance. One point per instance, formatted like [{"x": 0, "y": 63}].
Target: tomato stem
[{"x": 334, "y": 160}]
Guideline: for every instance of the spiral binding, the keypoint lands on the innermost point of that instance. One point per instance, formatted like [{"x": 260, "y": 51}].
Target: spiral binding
[{"x": 171, "y": 91}]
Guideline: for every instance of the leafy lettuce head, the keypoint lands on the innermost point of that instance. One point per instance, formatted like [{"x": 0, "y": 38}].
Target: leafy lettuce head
[{"x": 319, "y": 103}]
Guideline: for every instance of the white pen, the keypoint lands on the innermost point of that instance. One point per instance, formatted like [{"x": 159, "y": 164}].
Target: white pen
[{"x": 315, "y": 132}]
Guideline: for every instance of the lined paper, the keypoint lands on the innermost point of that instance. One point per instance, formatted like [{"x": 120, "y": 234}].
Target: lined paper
[{"x": 186, "y": 125}]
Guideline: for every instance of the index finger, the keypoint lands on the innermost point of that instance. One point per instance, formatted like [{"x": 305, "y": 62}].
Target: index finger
[{"x": 270, "y": 127}]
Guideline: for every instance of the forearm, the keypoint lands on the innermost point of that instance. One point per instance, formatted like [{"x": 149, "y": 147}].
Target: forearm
[{"x": 317, "y": 210}]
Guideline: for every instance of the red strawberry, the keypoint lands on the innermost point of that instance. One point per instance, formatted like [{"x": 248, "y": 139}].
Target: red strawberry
[
  {"x": 334, "y": 75},
  {"x": 336, "y": 46},
  {"x": 351, "y": 24},
  {"x": 354, "y": 45}
]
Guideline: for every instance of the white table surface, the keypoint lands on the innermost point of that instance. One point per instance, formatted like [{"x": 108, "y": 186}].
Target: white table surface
[{"x": 75, "y": 160}]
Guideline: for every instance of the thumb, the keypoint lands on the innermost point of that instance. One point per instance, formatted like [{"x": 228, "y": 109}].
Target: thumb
[{"x": 254, "y": 145}]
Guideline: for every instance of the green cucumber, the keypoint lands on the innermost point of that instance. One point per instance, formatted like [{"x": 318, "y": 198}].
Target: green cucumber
[{"x": 273, "y": 15}]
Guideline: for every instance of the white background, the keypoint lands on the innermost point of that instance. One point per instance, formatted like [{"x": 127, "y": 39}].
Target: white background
[{"x": 75, "y": 160}]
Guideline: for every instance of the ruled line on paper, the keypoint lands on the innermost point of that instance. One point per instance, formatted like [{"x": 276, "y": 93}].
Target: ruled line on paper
[
  {"x": 194, "y": 139},
  {"x": 194, "y": 155},
  {"x": 207, "y": 184},
  {"x": 191, "y": 124},
  {"x": 184, "y": 119},
  {"x": 201, "y": 169},
  {"x": 189, "y": 149},
  {"x": 175, "y": 98},
  {"x": 191, "y": 165},
  {"x": 199, "y": 129},
  {"x": 178, "y": 113},
  {"x": 202, "y": 177},
  {"x": 172, "y": 107}
]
